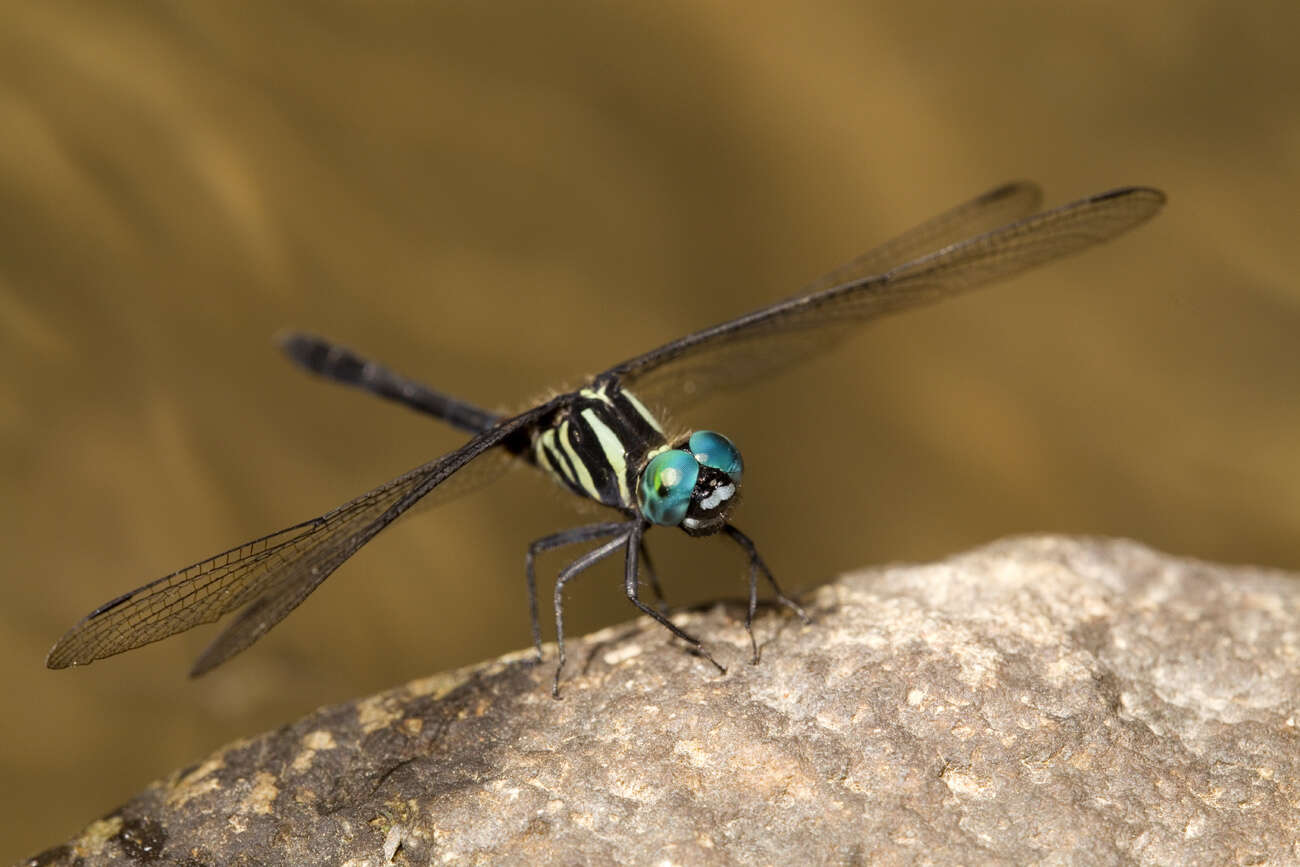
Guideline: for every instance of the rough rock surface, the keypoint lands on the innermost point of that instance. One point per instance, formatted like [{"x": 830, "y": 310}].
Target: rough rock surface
[{"x": 1040, "y": 699}]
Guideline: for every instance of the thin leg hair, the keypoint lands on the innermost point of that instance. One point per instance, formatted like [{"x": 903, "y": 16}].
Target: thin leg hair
[
  {"x": 571, "y": 536},
  {"x": 630, "y": 585},
  {"x": 757, "y": 565},
  {"x": 586, "y": 561},
  {"x": 630, "y": 536}
]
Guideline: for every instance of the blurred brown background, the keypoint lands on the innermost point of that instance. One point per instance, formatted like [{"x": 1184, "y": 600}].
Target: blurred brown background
[{"x": 501, "y": 197}]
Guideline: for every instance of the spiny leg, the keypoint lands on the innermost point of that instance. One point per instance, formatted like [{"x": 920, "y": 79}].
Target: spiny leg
[
  {"x": 556, "y": 540},
  {"x": 592, "y": 557},
  {"x": 750, "y": 609},
  {"x": 630, "y": 585},
  {"x": 654, "y": 579},
  {"x": 756, "y": 565}
]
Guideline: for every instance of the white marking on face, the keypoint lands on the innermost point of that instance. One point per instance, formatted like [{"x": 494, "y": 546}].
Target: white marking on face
[{"x": 719, "y": 495}]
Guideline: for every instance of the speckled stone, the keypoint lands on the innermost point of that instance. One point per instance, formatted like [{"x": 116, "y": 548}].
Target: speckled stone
[{"x": 1037, "y": 700}]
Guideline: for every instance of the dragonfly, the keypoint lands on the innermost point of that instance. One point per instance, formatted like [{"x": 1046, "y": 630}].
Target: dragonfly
[{"x": 602, "y": 441}]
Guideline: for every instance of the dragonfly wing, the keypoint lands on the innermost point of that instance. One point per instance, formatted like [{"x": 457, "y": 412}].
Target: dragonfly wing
[
  {"x": 272, "y": 575},
  {"x": 761, "y": 343},
  {"x": 984, "y": 213}
]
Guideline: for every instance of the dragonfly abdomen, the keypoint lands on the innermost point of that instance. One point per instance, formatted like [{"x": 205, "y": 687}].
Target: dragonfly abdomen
[{"x": 597, "y": 444}]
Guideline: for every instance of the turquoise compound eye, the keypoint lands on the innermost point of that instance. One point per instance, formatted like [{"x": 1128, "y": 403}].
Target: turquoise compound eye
[
  {"x": 666, "y": 486},
  {"x": 715, "y": 450}
]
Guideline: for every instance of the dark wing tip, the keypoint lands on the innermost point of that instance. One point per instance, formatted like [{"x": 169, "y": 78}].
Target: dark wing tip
[
  {"x": 201, "y": 667},
  {"x": 1135, "y": 204},
  {"x": 225, "y": 646},
  {"x": 1147, "y": 194},
  {"x": 1009, "y": 189}
]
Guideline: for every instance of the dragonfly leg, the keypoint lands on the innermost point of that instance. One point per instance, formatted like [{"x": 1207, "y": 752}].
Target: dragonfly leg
[
  {"x": 757, "y": 565},
  {"x": 557, "y": 540},
  {"x": 586, "y": 561},
  {"x": 662, "y": 603},
  {"x": 630, "y": 582}
]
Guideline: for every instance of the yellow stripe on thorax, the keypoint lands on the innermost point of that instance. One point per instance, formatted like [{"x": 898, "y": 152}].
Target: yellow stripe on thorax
[
  {"x": 584, "y": 479},
  {"x": 614, "y": 450}
]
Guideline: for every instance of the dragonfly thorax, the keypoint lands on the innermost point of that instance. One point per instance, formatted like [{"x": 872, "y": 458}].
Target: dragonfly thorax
[{"x": 693, "y": 485}]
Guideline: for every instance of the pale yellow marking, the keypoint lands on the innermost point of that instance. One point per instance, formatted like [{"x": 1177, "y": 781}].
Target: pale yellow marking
[
  {"x": 597, "y": 394},
  {"x": 645, "y": 413},
  {"x": 546, "y": 443},
  {"x": 539, "y": 451},
  {"x": 614, "y": 452},
  {"x": 584, "y": 480}
]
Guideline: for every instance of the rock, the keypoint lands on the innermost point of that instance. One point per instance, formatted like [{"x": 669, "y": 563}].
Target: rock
[{"x": 1039, "y": 699}]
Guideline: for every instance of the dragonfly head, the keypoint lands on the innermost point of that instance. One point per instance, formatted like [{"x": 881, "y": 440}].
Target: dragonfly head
[{"x": 693, "y": 485}]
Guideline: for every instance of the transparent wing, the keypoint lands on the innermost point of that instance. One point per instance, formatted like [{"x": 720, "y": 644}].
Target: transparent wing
[
  {"x": 984, "y": 213},
  {"x": 274, "y": 574},
  {"x": 758, "y": 344}
]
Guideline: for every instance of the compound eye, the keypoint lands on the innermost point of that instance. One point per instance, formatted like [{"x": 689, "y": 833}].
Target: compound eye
[
  {"x": 666, "y": 485},
  {"x": 714, "y": 450}
]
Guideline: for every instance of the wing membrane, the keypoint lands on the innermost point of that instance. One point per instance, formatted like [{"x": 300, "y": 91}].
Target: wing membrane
[
  {"x": 274, "y": 574},
  {"x": 758, "y": 344},
  {"x": 984, "y": 213}
]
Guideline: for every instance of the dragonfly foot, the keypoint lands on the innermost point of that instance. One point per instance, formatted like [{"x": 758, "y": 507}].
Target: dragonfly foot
[
  {"x": 795, "y": 607},
  {"x": 700, "y": 651}
]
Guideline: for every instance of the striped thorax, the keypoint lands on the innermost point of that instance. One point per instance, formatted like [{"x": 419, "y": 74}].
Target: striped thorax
[
  {"x": 597, "y": 445},
  {"x": 606, "y": 446}
]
